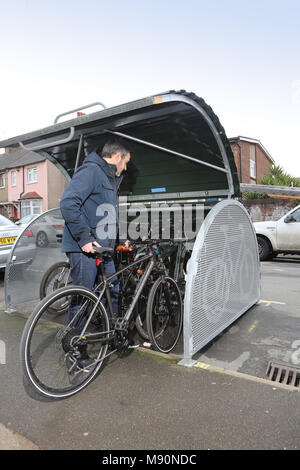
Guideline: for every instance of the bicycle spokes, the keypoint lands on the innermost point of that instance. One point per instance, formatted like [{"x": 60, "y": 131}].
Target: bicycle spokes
[
  {"x": 57, "y": 349},
  {"x": 164, "y": 314}
]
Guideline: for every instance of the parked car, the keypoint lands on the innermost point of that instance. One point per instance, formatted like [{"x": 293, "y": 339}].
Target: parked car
[
  {"x": 281, "y": 236},
  {"x": 9, "y": 232},
  {"x": 47, "y": 229},
  {"x": 24, "y": 221}
]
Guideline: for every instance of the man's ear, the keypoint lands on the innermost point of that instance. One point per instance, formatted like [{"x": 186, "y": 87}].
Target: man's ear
[{"x": 118, "y": 157}]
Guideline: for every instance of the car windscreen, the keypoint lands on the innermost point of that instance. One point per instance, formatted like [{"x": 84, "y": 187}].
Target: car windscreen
[
  {"x": 26, "y": 219},
  {"x": 5, "y": 221}
]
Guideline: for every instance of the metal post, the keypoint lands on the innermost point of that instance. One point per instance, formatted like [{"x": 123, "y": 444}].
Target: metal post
[
  {"x": 164, "y": 149},
  {"x": 78, "y": 152}
]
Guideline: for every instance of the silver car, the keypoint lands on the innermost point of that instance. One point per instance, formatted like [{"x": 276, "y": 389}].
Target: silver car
[
  {"x": 9, "y": 232},
  {"x": 25, "y": 220},
  {"x": 47, "y": 228}
]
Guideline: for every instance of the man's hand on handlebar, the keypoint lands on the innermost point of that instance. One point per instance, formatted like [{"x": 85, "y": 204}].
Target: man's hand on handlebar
[{"x": 88, "y": 248}]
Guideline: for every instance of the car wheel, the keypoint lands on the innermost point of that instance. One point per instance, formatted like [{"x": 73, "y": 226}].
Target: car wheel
[
  {"x": 42, "y": 240},
  {"x": 264, "y": 249}
]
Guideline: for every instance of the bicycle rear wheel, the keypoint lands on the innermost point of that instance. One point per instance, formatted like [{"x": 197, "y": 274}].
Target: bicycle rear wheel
[
  {"x": 164, "y": 314},
  {"x": 56, "y": 277},
  {"x": 52, "y": 348}
]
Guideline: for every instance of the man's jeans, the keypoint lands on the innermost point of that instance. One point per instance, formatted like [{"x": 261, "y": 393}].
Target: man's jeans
[{"x": 84, "y": 272}]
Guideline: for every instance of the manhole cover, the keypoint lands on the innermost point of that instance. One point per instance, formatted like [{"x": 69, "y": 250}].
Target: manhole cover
[{"x": 283, "y": 373}]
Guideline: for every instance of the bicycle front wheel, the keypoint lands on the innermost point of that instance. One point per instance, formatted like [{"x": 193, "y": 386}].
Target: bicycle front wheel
[
  {"x": 164, "y": 314},
  {"x": 52, "y": 348}
]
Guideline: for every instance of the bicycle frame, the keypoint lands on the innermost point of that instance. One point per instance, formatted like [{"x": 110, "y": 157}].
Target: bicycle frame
[
  {"x": 140, "y": 285},
  {"x": 104, "y": 285}
]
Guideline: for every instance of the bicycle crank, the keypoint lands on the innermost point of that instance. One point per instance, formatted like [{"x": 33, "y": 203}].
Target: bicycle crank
[{"x": 121, "y": 339}]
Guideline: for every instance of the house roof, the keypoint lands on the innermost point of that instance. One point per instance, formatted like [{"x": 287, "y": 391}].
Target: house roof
[
  {"x": 31, "y": 195},
  {"x": 19, "y": 158},
  {"x": 252, "y": 141}
]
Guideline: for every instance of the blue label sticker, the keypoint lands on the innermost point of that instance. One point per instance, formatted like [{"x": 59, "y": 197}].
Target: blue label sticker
[{"x": 158, "y": 190}]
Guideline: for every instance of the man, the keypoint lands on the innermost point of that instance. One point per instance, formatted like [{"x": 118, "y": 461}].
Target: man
[{"x": 90, "y": 206}]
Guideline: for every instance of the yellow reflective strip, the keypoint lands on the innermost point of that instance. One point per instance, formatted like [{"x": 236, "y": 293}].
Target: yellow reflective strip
[{"x": 202, "y": 365}]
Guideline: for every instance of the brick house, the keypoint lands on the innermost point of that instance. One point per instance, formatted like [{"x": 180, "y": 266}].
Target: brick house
[
  {"x": 251, "y": 158},
  {"x": 29, "y": 184}
]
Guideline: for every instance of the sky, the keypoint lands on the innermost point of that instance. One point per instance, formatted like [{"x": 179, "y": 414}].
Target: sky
[{"x": 241, "y": 57}]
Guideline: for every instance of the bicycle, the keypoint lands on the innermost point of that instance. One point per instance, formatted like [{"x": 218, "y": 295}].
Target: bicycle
[
  {"x": 58, "y": 275},
  {"x": 176, "y": 259},
  {"x": 52, "y": 347}
]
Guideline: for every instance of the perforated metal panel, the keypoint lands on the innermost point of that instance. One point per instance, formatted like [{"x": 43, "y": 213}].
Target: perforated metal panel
[{"x": 223, "y": 279}]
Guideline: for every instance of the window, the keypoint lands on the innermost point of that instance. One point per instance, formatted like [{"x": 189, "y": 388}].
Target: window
[
  {"x": 2, "y": 180},
  {"x": 31, "y": 206},
  {"x": 296, "y": 215},
  {"x": 32, "y": 175},
  {"x": 252, "y": 169},
  {"x": 13, "y": 178}
]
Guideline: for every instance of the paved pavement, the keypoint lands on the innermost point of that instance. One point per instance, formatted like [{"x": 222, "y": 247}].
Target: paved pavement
[
  {"x": 147, "y": 401},
  {"x": 10, "y": 440}
]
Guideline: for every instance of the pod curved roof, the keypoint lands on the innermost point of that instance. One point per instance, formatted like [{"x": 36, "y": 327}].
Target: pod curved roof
[{"x": 178, "y": 146}]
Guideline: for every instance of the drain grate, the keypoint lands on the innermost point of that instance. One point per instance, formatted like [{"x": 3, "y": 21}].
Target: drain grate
[{"x": 283, "y": 373}]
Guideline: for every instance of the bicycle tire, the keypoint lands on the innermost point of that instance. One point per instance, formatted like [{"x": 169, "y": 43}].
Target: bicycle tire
[
  {"x": 51, "y": 282},
  {"x": 164, "y": 326},
  {"x": 47, "y": 352},
  {"x": 141, "y": 315},
  {"x": 140, "y": 322}
]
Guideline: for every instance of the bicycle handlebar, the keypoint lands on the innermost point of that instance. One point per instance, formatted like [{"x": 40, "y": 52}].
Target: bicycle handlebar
[{"x": 149, "y": 243}]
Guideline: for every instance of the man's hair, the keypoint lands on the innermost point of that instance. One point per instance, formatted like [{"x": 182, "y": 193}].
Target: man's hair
[{"x": 113, "y": 146}]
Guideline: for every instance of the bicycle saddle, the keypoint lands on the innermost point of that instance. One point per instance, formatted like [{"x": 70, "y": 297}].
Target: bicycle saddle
[{"x": 103, "y": 250}]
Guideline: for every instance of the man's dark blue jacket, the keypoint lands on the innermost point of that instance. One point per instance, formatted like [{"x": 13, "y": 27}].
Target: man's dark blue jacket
[{"x": 90, "y": 205}]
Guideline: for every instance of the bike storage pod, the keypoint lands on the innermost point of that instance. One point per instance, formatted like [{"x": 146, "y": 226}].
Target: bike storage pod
[
  {"x": 181, "y": 162},
  {"x": 223, "y": 279}
]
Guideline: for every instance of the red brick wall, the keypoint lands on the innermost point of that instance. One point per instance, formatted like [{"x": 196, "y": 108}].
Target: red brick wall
[
  {"x": 268, "y": 209},
  {"x": 262, "y": 161}
]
